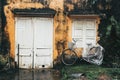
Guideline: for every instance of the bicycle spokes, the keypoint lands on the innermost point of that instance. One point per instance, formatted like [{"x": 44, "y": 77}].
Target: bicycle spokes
[{"x": 69, "y": 57}]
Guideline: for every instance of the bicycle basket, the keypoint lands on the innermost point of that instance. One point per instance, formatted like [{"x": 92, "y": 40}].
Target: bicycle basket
[{"x": 70, "y": 45}]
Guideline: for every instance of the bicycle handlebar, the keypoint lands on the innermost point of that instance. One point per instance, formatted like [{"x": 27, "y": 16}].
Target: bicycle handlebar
[{"x": 74, "y": 40}]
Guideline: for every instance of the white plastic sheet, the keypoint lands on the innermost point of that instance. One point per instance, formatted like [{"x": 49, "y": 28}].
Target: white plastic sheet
[{"x": 95, "y": 55}]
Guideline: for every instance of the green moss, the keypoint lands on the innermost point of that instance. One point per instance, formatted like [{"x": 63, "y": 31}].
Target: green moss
[{"x": 3, "y": 60}]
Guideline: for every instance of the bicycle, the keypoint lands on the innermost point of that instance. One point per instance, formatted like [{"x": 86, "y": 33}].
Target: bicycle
[{"x": 94, "y": 54}]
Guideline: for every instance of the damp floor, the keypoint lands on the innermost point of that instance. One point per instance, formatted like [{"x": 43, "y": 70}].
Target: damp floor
[{"x": 43, "y": 74}]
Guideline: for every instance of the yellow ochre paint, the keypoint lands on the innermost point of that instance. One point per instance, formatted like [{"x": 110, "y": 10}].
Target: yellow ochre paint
[{"x": 62, "y": 23}]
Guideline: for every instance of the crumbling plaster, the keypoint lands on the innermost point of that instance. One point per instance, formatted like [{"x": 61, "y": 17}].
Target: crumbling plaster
[{"x": 62, "y": 23}]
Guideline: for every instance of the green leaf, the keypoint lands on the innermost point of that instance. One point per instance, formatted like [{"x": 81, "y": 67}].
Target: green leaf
[
  {"x": 108, "y": 30},
  {"x": 113, "y": 21}
]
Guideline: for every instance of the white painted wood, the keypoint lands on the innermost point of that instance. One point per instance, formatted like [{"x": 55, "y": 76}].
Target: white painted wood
[
  {"x": 35, "y": 37},
  {"x": 90, "y": 32},
  {"x": 77, "y": 32},
  {"x": 23, "y": 37},
  {"x": 43, "y": 42},
  {"x": 84, "y": 31}
]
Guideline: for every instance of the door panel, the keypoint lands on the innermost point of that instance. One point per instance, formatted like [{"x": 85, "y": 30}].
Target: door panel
[
  {"x": 24, "y": 37},
  {"x": 43, "y": 42},
  {"x": 90, "y": 32},
  {"x": 77, "y": 32}
]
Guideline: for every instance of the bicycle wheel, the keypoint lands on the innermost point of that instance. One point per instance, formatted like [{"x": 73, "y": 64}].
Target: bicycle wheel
[{"x": 69, "y": 57}]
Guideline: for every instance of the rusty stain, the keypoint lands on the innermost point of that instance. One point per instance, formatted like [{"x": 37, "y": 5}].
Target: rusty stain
[{"x": 62, "y": 23}]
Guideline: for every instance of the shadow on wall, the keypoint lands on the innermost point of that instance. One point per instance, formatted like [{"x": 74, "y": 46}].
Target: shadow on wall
[{"x": 5, "y": 43}]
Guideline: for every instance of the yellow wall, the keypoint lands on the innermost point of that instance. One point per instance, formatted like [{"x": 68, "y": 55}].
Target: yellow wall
[{"x": 62, "y": 24}]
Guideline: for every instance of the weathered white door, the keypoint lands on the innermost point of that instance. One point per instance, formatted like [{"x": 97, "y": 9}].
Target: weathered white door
[
  {"x": 43, "y": 42},
  {"x": 24, "y": 38},
  {"x": 35, "y": 38}
]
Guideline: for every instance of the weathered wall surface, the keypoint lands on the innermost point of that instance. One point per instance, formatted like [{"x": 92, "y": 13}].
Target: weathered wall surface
[
  {"x": 62, "y": 23},
  {"x": 0, "y": 20}
]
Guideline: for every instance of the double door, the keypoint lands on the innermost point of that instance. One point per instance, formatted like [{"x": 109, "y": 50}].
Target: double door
[{"x": 34, "y": 42}]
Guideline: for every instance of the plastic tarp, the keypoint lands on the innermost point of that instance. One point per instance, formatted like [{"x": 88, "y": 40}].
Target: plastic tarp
[{"x": 95, "y": 55}]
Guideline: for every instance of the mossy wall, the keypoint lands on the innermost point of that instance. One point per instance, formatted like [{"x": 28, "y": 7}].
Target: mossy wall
[{"x": 62, "y": 22}]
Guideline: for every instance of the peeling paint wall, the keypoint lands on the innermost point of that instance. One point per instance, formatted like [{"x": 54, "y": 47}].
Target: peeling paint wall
[
  {"x": 62, "y": 23},
  {"x": 62, "y": 28},
  {"x": 0, "y": 21}
]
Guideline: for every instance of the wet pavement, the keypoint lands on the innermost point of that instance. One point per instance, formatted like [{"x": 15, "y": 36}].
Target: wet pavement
[{"x": 43, "y": 74}]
